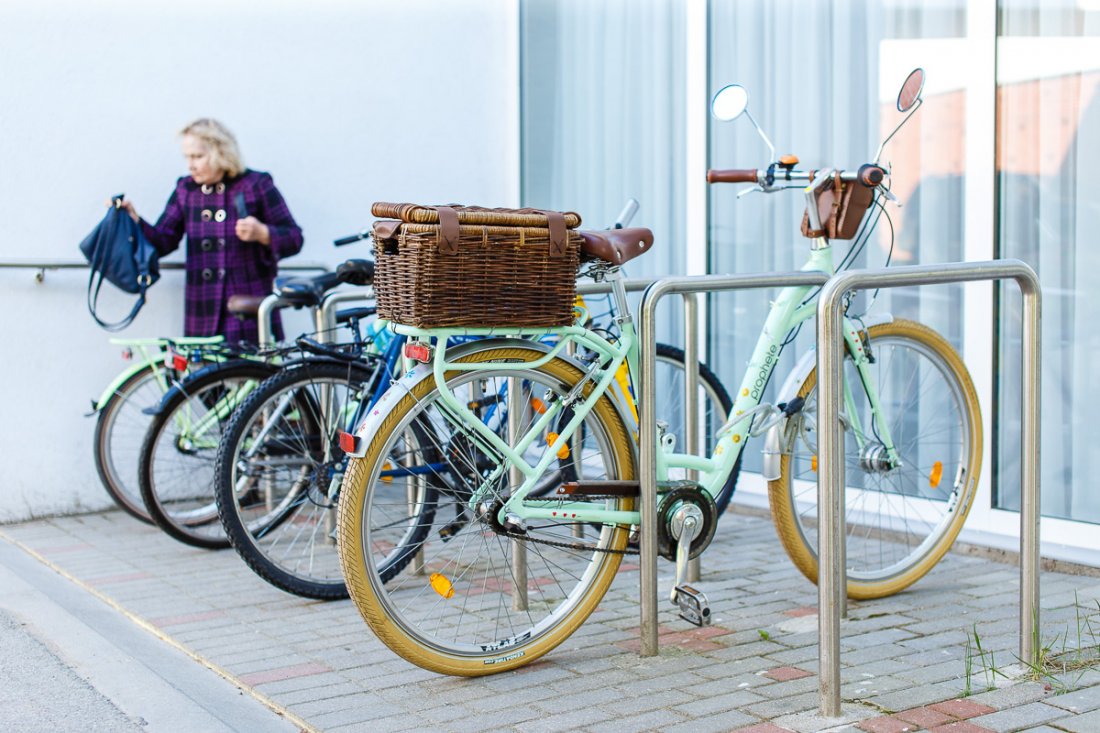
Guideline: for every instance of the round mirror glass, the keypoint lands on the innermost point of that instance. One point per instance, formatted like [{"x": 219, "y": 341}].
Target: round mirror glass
[
  {"x": 730, "y": 102},
  {"x": 910, "y": 90}
]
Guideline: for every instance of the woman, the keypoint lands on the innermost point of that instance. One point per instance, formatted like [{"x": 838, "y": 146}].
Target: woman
[{"x": 238, "y": 227}]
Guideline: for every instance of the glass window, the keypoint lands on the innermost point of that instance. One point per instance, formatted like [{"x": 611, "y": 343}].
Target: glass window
[
  {"x": 603, "y": 121},
  {"x": 1048, "y": 199}
]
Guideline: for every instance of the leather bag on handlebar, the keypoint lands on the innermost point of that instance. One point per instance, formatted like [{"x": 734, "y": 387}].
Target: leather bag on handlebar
[{"x": 841, "y": 208}]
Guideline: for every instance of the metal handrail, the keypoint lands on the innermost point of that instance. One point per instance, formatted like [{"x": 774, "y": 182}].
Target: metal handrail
[
  {"x": 42, "y": 266},
  {"x": 831, "y": 585}
]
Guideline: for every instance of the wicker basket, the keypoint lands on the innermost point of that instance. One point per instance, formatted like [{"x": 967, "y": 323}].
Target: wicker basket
[{"x": 469, "y": 267}]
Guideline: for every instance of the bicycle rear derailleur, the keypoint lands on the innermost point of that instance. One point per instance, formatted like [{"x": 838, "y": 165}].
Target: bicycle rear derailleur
[{"x": 686, "y": 520}]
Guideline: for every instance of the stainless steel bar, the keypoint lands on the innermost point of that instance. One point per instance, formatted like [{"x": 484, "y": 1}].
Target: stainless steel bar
[
  {"x": 326, "y": 321},
  {"x": 515, "y": 478},
  {"x": 263, "y": 319},
  {"x": 648, "y": 418},
  {"x": 82, "y": 265},
  {"x": 1029, "y": 467},
  {"x": 691, "y": 402},
  {"x": 831, "y": 533}
]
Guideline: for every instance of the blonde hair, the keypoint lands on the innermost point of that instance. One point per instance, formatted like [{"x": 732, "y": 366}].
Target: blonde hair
[{"x": 224, "y": 153}]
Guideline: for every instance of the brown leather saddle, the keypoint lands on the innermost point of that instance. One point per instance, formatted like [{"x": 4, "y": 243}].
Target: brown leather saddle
[{"x": 616, "y": 246}]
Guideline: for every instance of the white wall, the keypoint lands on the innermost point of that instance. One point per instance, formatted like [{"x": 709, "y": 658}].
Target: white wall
[{"x": 344, "y": 102}]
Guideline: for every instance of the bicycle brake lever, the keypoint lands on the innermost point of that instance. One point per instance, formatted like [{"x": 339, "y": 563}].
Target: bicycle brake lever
[
  {"x": 891, "y": 197},
  {"x": 746, "y": 191}
]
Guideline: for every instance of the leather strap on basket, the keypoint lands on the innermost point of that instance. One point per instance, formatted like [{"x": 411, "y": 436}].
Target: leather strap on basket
[
  {"x": 559, "y": 236},
  {"x": 449, "y": 231}
]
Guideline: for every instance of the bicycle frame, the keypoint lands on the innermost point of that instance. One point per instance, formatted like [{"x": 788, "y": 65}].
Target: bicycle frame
[
  {"x": 791, "y": 308},
  {"x": 152, "y": 351}
]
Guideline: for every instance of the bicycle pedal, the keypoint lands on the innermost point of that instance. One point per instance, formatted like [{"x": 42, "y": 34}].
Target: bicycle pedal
[{"x": 693, "y": 604}]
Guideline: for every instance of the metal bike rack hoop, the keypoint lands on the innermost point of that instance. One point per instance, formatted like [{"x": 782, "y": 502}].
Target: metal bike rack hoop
[
  {"x": 831, "y": 577},
  {"x": 688, "y": 287}
]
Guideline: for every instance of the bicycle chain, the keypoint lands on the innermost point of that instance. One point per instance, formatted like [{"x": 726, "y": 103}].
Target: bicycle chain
[{"x": 565, "y": 545}]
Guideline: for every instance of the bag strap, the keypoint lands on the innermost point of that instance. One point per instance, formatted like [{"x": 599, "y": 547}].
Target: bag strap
[
  {"x": 144, "y": 281},
  {"x": 93, "y": 300}
]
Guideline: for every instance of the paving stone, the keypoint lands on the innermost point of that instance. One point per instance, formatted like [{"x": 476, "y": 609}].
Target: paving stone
[
  {"x": 1018, "y": 718},
  {"x": 713, "y": 723},
  {"x": 961, "y": 726},
  {"x": 1020, "y": 693},
  {"x": 1080, "y": 701},
  {"x": 961, "y": 708},
  {"x": 1086, "y": 723}
]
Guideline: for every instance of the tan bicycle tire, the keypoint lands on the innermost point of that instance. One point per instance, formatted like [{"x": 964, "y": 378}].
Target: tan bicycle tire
[
  {"x": 352, "y": 555},
  {"x": 780, "y": 493}
]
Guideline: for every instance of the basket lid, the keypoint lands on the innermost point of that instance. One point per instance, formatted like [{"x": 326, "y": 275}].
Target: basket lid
[{"x": 475, "y": 215}]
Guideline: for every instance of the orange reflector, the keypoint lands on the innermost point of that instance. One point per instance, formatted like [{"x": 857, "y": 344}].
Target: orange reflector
[
  {"x": 936, "y": 474},
  {"x": 813, "y": 464},
  {"x": 387, "y": 466},
  {"x": 563, "y": 452},
  {"x": 441, "y": 585},
  {"x": 418, "y": 352},
  {"x": 538, "y": 405},
  {"x": 348, "y": 442}
]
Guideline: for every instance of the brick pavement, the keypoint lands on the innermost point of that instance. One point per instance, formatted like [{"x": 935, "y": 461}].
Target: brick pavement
[{"x": 904, "y": 659}]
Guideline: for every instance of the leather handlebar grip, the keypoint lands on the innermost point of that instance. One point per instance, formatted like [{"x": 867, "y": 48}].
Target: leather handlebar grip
[
  {"x": 871, "y": 175},
  {"x": 743, "y": 175}
]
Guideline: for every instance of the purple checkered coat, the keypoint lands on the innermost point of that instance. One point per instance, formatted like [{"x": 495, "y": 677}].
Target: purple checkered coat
[{"x": 218, "y": 264}]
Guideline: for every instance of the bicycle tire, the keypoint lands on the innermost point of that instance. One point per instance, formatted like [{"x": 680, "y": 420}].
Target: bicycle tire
[
  {"x": 472, "y": 555},
  {"x": 121, "y": 424},
  {"x": 716, "y": 410},
  {"x": 176, "y": 466},
  {"x": 896, "y": 533},
  {"x": 274, "y": 472}
]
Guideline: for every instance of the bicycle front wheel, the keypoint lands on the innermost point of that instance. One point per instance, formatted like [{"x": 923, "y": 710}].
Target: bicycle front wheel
[
  {"x": 900, "y": 519},
  {"x": 478, "y": 598}
]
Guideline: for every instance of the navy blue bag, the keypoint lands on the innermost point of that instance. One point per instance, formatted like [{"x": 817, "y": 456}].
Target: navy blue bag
[{"x": 118, "y": 251}]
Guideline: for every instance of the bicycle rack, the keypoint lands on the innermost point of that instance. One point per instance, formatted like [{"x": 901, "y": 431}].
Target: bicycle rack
[
  {"x": 831, "y": 598},
  {"x": 831, "y": 584},
  {"x": 687, "y": 287}
]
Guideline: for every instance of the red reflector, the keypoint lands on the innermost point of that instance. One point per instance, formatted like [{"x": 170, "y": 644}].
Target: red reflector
[
  {"x": 177, "y": 362},
  {"x": 127, "y": 354},
  {"x": 418, "y": 352},
  {"x": 348, "y": 442}
]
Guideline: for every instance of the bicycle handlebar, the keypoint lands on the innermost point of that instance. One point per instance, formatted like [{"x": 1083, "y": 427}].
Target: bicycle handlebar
[
  {"x": 352, "y": 238},
  {"x": 869, "y": 175}
]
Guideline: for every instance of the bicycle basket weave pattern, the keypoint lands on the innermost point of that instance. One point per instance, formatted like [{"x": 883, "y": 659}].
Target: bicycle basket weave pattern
[{"x": 468, "y": 267}]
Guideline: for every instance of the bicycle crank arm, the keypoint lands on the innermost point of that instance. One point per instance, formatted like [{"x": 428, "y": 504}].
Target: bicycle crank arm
[{"x": 686, "y": 525}]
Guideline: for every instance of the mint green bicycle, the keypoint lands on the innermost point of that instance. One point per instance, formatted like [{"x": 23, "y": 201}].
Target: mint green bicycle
[{"x": 472, "y": 548}]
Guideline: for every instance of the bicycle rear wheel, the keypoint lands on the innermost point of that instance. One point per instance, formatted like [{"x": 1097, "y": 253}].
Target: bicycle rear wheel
[
  {"x": 278, "y": 473},
  {"x": 900, "y": 520},
  {"x": 463, "y": 607},
  {"x": 176, "y": 467}
]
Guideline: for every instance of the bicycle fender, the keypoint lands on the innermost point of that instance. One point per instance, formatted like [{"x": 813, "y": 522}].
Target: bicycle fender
[
  {"x": 777, "y": 442},
  {"x": 118, "y": 382},
  {"x": 183, "y": 386}
]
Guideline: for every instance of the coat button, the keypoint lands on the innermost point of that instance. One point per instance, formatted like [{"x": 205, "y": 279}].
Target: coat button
[
  {"x": 207, "y": 245},
  {"x": 207, "y": 188},
  {"x": 207, "y": 215},
  {"x": 221, "y": 274},
  {"x": 219, "y": 188},
  {"x": 221, "y": 243},
  {"x": 207, "y": 274},
  {"x": 219, "y": 215}
]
